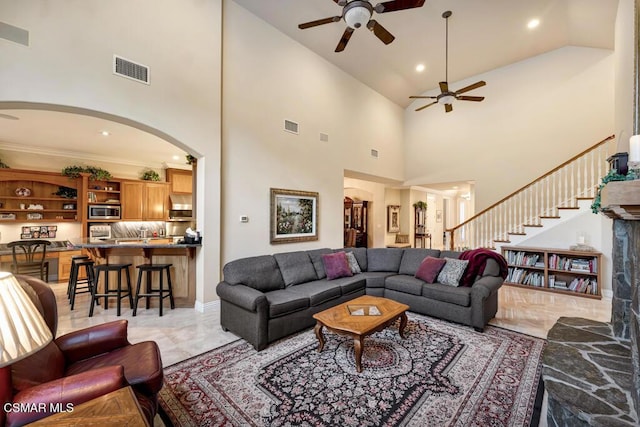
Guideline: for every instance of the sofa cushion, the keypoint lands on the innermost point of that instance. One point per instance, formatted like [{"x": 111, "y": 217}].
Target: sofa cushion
[
  {"x": 443, "y": 293},
  {"x": 384, "y": 259},
  {"x": 450, "y": 254},
  {"x": 411, "y": 259},
  {"x": 295, "y": 267},
  {"x": 316, "y": 259},
  {"x": 452, "y": 272},
  {"x": 318, "y": 291},
  {"x": 259, "y": 272},
  {"x": 376, "y": 279},
  {"x": 336, "y": 265},
  {"x": 283, "y": 302},
  {"x": 360, "y": 254},
  {"x": 353, "y": 263},
  {"x": 350, "y": 284},
  {"x": 404, "y": 283},
  {"x": 430, "y": 268}
]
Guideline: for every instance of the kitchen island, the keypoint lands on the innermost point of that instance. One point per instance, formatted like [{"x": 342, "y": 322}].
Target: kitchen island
[{"x": 138, "y": 251}]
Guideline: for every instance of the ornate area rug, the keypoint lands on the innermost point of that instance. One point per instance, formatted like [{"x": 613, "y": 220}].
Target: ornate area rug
[{"x": 442, "y": 374}]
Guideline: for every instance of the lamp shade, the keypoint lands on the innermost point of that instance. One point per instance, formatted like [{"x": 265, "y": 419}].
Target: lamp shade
[{"x": 23, "y": 331}]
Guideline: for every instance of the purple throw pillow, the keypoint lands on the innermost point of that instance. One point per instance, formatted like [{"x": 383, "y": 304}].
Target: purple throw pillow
[
  {"x": 336, "y": 265},
  {"x": 429, "y": 269}
]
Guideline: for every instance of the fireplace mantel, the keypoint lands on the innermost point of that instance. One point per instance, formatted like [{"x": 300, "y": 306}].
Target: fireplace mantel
[{"x": 621, "y": 200}]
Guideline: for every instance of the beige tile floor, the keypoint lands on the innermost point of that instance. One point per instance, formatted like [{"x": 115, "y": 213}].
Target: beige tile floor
[{"x": 182, "y": 333}]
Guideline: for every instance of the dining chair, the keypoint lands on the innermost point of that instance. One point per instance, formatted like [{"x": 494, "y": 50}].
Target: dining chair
[{"x": 30, "y": 257}]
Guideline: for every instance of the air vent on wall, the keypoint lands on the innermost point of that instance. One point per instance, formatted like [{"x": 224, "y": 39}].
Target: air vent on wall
[
  {"x": 324, "y": 137},
  {"x": 374, "y": 153},
  {"x": 290, "y": 126},
  {"x": 130, "y": 70}
]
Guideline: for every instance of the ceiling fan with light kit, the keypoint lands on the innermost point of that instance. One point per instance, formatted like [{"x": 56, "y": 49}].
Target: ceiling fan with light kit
[
  {"x": 358, "y": 13},
  {"x": 446, "y": 96}
]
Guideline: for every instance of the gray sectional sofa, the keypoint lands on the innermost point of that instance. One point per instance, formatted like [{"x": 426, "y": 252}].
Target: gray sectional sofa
[{"x": 265, "y": 298}]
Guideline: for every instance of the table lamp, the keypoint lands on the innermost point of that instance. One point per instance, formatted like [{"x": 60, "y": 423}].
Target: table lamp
[{"x": 23, "y": 331}]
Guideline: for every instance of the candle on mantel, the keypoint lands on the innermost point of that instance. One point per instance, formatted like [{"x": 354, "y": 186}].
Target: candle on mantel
[{"x": 634, "y": 149}]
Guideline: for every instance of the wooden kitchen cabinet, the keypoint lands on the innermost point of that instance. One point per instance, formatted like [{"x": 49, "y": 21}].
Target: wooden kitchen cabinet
[
  {"x": 64, "y": 264},
  {"x": 180, "y": 180},
  {"x": 131, "y": 198},
  {"x": 156, "y": 199},
  {"x": 144, "y": 201}
]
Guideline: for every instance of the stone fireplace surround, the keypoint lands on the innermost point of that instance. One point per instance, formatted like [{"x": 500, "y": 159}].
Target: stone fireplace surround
[{"x": 591, "y": 370}]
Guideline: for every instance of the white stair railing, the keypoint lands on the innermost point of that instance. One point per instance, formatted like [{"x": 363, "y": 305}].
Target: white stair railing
[{"x": 560, "y": 188}]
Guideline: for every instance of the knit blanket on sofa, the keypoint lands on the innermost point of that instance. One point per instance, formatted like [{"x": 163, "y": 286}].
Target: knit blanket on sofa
[{"x": 477, "y": 262}]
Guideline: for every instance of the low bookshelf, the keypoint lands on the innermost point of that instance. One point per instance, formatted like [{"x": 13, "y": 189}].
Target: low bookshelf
[{"x": 554, "y": 270}]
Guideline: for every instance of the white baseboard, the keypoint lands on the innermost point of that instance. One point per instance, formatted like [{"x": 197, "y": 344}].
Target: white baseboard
[{"x": 206, "y": 307}]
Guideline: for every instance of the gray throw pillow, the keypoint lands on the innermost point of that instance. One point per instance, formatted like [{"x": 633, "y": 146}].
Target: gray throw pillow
[
  {"x": 353, "y": 263},
  {"x": 452, "y": 272}
]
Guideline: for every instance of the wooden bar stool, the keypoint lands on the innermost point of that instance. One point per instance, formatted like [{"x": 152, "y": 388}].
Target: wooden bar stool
[
  {"x": 161, "y": 293},
  {"x": 89, "y": 282},
  {"x": 108, "y": 292},
  {"x": 73, "y": 267}
]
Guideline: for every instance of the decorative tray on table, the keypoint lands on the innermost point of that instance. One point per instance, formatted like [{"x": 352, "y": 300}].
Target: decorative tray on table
[{"x": 363, "y": 310}]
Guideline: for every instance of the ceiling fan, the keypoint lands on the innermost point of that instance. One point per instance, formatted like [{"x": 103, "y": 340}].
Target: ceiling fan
[
  {"x": 446, "y": 96},
  {"x": 357, "y": 13}
]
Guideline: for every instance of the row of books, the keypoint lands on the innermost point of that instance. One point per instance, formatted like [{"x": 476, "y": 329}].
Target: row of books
[
  {"x": 525, "y": 277},
  {"x": 524, "y": 258},
  {"x": 580, "y": 285},
  {"x": 558, "y": 262}
]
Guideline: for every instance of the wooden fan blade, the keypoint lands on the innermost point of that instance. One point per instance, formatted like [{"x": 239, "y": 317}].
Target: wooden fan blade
[
  {"x": 448, "y": 108},
  {"x": 423, "y": 97},
  {"x": 444, "y": 87},
  {"x": 471, "y": 98},
  {"x": 425, "y": 106},
  {"x": 392, "y": 6},
  {"x": 385, "y": 36},
  {"x": 345, "y": 39},
  {"x": 319, "y": 22},
  {"x": 471, "y": 87}
]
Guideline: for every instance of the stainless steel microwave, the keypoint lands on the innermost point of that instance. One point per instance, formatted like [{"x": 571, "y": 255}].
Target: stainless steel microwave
[{"x": 104, "y": 212}]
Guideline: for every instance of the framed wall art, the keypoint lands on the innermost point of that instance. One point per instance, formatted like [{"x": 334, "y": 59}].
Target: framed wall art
[
  {"x": 294, "y": 216},
  {"x": 393, "y": 219}
]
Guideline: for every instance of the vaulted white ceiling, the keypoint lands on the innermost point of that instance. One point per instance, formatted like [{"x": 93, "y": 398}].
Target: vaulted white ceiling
[{"x": 483, "y": 35}]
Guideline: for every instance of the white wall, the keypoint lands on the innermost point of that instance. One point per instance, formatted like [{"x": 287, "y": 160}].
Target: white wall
[
  {"x": 68, "y": 63},
  {"x": 624, "y": 71},
  {"x": 537, "y": 113},
  {"x": 267, "y": 78}
]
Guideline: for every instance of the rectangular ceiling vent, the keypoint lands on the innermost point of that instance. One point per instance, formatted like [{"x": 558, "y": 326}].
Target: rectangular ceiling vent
[
  {"x": 130, "y": 70},
  {"x": 324, "y": 137},
  {"x": 290, "y": 126},
  {"x": 374, "y": 153}
]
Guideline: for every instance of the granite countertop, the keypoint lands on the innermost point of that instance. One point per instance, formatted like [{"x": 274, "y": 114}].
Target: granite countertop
[
  {"x": 130, "y": 242},
  {"x": 56, "y": 246}
]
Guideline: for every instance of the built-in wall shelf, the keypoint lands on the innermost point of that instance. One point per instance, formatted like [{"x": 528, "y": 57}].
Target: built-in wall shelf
[{"x": 575, "y": 273}]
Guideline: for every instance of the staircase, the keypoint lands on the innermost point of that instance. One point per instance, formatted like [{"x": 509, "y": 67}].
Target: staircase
[{"x": 551, "y": 198}]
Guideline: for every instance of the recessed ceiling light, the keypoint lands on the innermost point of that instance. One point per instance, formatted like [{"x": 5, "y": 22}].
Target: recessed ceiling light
[
  {"x": 176, "y": 157},
  {"x": 455, "y": 187},
  {"x": 105, "y": 133},
  {"x": 420, "y": 68},
  {"x": 533, "y": 23}
]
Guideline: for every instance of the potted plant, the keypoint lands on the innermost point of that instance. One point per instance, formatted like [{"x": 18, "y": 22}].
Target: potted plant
[
  {"x": 190, "y": 159},
  {"x": 150, "y": 175},
  {"x": 420, "y": 205},
  {"x": 97, "y": 174}
]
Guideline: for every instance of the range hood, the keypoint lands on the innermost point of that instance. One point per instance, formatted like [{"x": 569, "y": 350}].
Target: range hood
[{"x": 181, "y": 202}]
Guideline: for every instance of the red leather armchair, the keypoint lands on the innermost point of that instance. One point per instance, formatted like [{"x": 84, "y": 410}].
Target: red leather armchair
[{"x": 83, "y": 365}]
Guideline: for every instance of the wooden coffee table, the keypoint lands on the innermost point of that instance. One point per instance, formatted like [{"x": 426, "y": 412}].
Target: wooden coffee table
[{"x": 358, "y": 318}]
